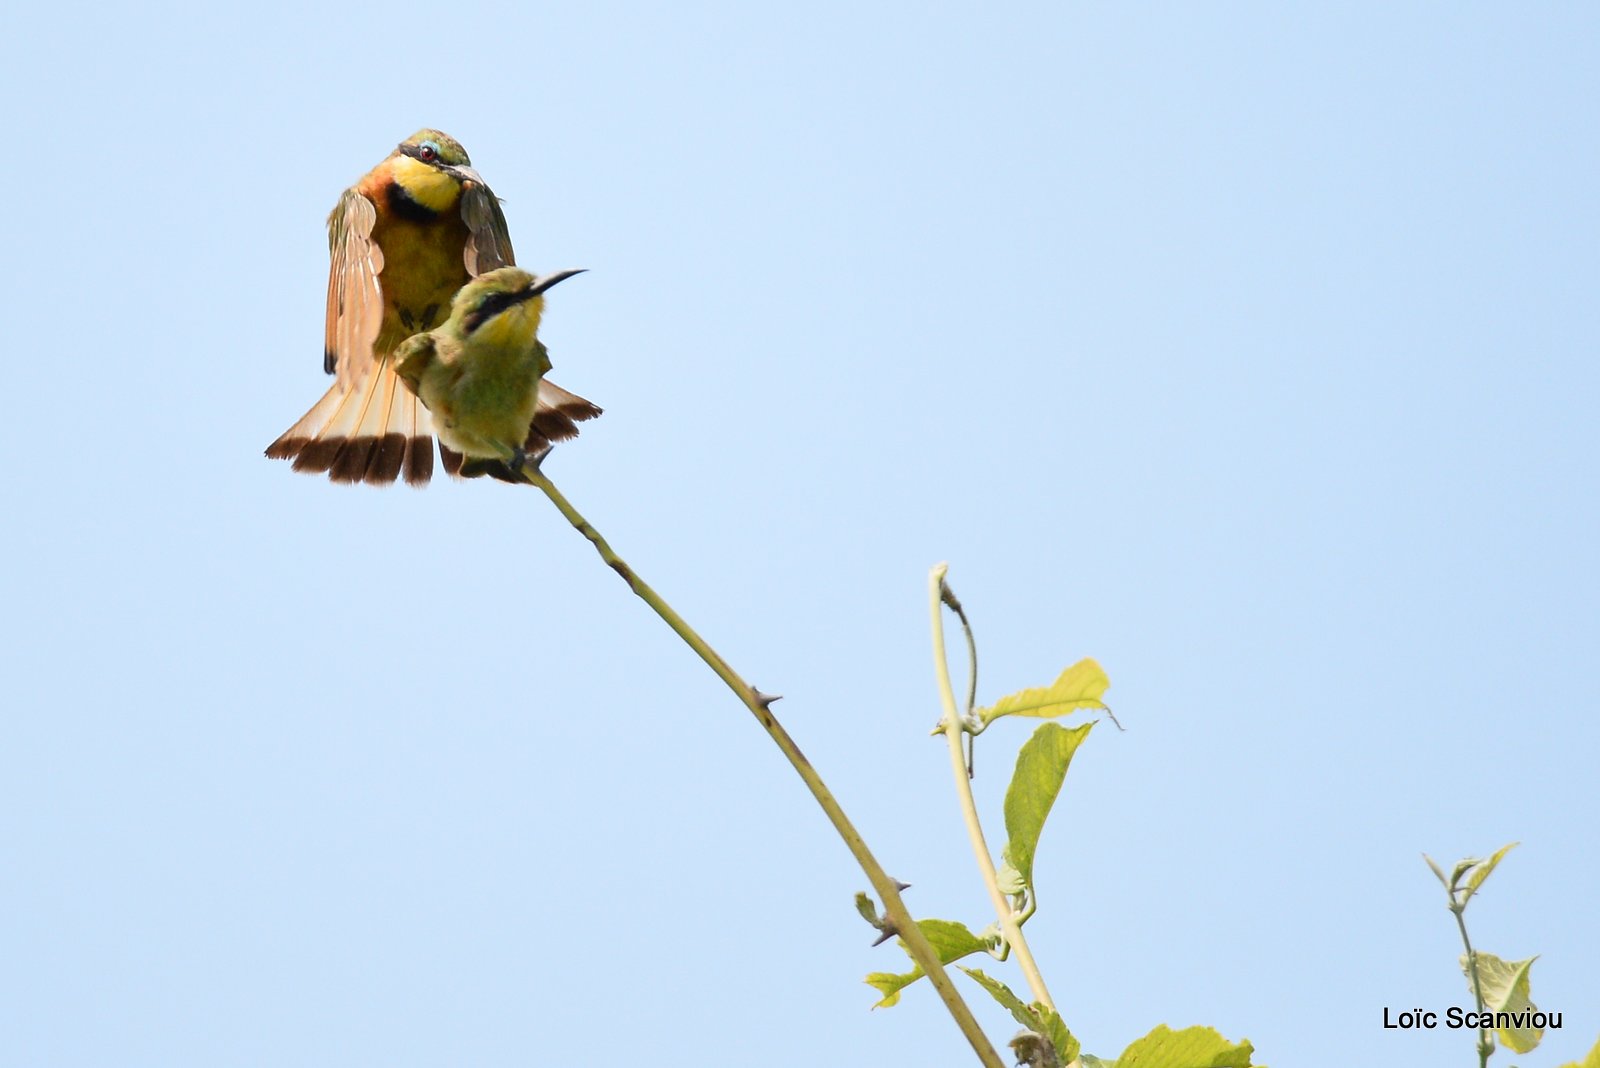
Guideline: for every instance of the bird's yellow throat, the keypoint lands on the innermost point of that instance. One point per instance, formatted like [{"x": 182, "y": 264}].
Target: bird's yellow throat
[
  {"x": 428, "y": 186},
  {"x": 515, "y": 328}
]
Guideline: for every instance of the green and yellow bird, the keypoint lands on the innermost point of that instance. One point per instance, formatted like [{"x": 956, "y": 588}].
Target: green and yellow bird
[
  {"x": 481, "y": 373},
  {"x": 404, "y": 240}
]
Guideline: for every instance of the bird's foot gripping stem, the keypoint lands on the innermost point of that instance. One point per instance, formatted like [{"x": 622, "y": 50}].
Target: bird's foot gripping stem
[{"x": 523, "y": 462}]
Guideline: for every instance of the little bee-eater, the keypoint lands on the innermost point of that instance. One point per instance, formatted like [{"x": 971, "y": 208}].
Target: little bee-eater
[
  {"x": 480, "y": 374},
  {"x": 404, "y": 239}
]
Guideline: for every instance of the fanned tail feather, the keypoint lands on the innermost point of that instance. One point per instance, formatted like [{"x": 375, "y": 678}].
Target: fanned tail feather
[
  {"x": 370, "y": 433},
  {"x": 357, "y": 445},
  {"x": 291, "y": 441},
  {"x": 452, "y": 460},
  {"x": 417, "y": 427},
  {"x": 557, "y": 416},
  {"x": 378, "y": 430}
]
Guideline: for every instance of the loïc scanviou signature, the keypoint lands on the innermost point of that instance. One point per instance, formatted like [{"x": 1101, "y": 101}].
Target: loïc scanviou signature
[{"x": 1456, "y": 1018}]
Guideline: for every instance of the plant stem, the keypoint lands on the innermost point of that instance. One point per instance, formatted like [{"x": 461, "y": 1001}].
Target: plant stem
[
  {"x": 949, "y": 597},
  {"x": 951, "y": 726},
  {"x": 760, "y": 706},
  {"x": 1484, "y": 1049}
]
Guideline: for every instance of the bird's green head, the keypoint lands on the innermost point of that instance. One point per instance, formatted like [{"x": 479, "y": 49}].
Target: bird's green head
[
  {"x": 435, "y": 148},
  {"x": 502, "y": 305}
]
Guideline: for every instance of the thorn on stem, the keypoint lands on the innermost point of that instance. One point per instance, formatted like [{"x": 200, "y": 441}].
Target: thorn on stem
[{"x": 765, "y": 700}]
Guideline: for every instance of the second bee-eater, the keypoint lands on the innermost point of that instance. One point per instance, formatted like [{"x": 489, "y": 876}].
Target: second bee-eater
[
  {"x": 404, "y": 239},
  {"x": 480, "y": 373}
]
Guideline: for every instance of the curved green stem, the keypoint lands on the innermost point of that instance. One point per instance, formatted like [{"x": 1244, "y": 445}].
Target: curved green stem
[
  {"x": 949, "y": 597},
  {"x": 760, "y": 706},
  {"x": 951, "y": 725},
  {"x": 1484, "y": 1048}
]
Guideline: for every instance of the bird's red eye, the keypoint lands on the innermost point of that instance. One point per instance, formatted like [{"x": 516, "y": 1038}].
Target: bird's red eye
[{"x": 427, "y": 152}]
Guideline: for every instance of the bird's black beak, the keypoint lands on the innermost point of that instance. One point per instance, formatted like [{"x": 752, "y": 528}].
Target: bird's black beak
[{"x": 544, "y": 283}]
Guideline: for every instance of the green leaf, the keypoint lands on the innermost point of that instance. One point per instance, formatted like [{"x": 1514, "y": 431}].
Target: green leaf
[
  {"x": 1036, "y": 1017},
  {"x": 1480, "y": 873},
  {"x": 1591, "y": 1061},
  {"x": 1437, "y": 871},
  {"x": 1056, "y": 1031},
  {"x": 1461, "y": 868},
  {"x": 1041, "y": 768},
  {"x": 868, "y": 910},
  {"x": 889, "y": 985},
  {"x": 1010, "y": 1002},
  {"x": 1506, "y": 988},
  {"x": 1194, "y": 1047},
  {"x": 1009, "y": 880},
  {"x": 1080, "y": 686},
  {"x": 950, "y": 940}
]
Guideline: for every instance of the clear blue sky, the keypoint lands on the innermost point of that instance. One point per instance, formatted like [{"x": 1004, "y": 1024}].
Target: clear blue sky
[{"x": 1249, "y": 350}]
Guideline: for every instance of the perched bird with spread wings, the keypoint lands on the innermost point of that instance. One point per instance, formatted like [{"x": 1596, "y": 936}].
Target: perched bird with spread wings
[{"x": 404, "y": 240}]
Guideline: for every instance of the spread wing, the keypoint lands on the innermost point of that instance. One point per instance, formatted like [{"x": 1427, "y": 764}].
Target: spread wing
[
  {"x": 355, "y": 299},
  {"x": 488, "y": 242}
]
